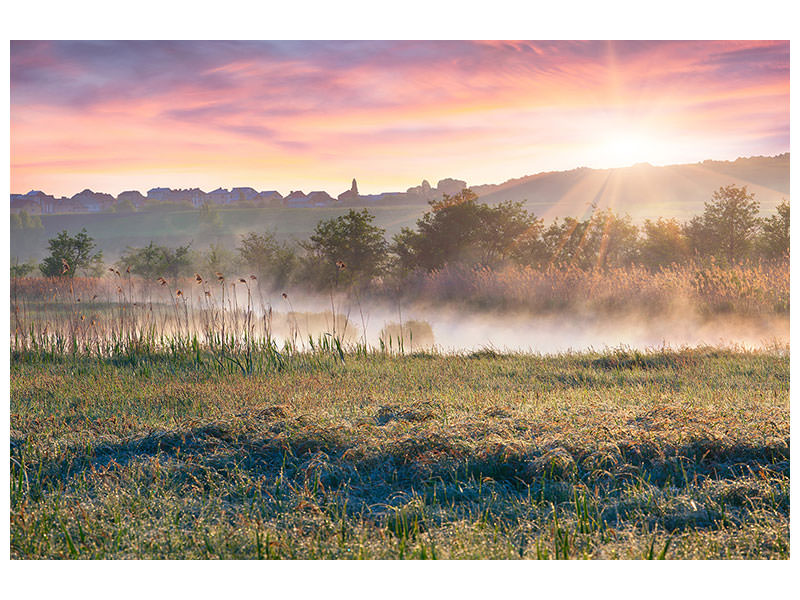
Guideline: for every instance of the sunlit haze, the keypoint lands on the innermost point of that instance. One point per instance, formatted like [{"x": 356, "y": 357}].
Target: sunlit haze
[{"x": 114, "y": 116}]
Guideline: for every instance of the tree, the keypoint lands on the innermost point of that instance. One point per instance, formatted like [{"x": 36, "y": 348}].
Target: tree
[
  {"x": 404, "y": 248},
  {"x": 27, "y": 234},
  {"x": 347, "y": 249},
  {"x": 68, "y": 255},
  {"x": 22, "y": 270},
  {"x": 157, "y": 261},
  {"x": 218, "y": 258},
  {"x": 664, "y": 243},
  {"x": 567, "y": 242},
  {"x": 145, "y": 262},
  {"x": 272, "y": 261},
  {"x": 529, "y": 247},
  {"x": 774, "y": 239},
  {"x": 613, "y": 239},
  {"x": 460, "y": 229},
  {"x": 728, "y": 226},
  {"x": 176, "y": 261},
  {"x": 22, "y": 221},
  {"x": 502, "y": 227},
  {"x": 449, "y": 232},
  {"x": 605, "y": 239}
]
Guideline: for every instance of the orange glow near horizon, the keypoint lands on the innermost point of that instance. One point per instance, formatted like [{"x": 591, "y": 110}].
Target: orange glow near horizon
[{"x": 114, "y": 116}]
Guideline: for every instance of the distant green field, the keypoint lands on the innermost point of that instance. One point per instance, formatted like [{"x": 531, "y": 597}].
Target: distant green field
[{"x": 113, "y": 232}]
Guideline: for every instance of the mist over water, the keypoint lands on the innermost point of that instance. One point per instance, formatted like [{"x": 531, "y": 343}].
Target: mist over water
[
  {"x": 464, "y": 330},
  {"x": 303, "y": 318}
]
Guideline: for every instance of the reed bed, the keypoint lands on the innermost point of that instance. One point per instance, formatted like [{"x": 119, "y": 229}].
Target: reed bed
[
  {"x": 194, "y": 318},
  {"x": 228, "y": 316},
  {"x": 760, "y": 288}
]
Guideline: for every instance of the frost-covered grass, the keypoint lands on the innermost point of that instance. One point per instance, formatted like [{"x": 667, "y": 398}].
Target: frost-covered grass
[{"x": 668, "y": 454}]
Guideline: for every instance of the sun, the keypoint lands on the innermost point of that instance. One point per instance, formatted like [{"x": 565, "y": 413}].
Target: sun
[{"x": 623, "y": 150}]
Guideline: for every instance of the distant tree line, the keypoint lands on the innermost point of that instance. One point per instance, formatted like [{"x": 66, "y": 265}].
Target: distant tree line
[{"x": 350, "y": 250}]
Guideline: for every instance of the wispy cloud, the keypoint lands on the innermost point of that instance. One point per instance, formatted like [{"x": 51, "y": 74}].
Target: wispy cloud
[{"x": 304, "y": 110}]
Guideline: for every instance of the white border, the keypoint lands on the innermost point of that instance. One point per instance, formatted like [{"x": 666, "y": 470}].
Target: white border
[{"x": 414, "y": 19}]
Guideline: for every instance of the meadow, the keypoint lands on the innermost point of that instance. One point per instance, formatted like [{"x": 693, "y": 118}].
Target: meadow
[
  {"x": 147, "y": 424},
  {"x": 619, "y": 454}
]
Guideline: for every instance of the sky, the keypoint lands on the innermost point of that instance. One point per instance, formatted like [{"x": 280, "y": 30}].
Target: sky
[{"x": 115, "y": 116}]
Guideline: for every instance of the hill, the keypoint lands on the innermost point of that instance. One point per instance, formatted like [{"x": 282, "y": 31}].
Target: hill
[{"x": 643, "y": 190}]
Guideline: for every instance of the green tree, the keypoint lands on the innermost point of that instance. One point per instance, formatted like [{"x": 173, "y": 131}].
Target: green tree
[
  {"x": 68, "y": 255},
  {"x": 774, "y": 239},
  {"x": 614, "y": 239},
  {"x": 157, "y": 261},
  {"x": 404, "y": 249},
  {"x": 145, "y": 262},
  {"x": 22, "y": 221},
  {"x": 273, "y": 262},
  {"x": 219, "y": 259},
  {"x": 347, "y": 249},
  {"x": 503, "y": 228},
  {"x": 449, "y": 232},
  {"x": 605, "y": 239},
  {"x": 529, "y": 247},
  {"x": 22, "y": 270},
  {"x": 664, "y": 243},
  {"x": 728, "y": 226},
  {"x": 459, "y": 229},
  {"x": 567, "y": 242},
  {"x": 177, "y": 261},
  {"x": 27, "y": 234}
]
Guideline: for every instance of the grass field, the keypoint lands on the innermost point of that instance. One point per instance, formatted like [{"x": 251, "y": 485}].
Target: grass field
[{"x": 618, "y": 454}]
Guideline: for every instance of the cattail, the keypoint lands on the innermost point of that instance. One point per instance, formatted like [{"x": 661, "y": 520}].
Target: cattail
[
  {"x": 162, "y": 281},
  {"x": 64, "y": 266},
  {"x": 208, "y": 293},
  {"x": 243, "y": 281},
  {"x": 220, "y": 276},
  {"x": 109, "y": 268},
  {"x": 198, "y": 278},
  {"x": 285, "y": 297},
  {"x": 253, "y": 277},
  {"x": 340, "y": 265},
  {"x": 179, "y": 293}
]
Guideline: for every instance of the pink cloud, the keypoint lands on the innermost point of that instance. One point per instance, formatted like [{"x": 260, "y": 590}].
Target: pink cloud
[{"x": 293, "y": 110}]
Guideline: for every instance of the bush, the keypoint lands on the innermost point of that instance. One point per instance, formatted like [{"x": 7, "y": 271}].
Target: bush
[{"x": 68, "y": 255}]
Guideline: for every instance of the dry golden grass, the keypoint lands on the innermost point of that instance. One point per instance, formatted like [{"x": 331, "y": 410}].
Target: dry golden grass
[{"x": 745, "y": 289}]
